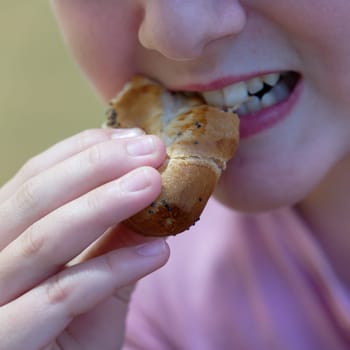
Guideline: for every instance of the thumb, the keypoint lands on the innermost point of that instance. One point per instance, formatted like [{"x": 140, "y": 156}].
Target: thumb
[{"x": 116, "y": 237}]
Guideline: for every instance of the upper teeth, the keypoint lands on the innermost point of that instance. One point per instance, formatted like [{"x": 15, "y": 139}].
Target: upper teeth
[
  {"x": 271, "y": 79},
  {"x": 236, "y": 94},
  {"x": 254, "y": 85}
]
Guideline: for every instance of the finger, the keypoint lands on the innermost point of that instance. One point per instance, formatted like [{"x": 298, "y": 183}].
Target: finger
[
  {"x": 104, "y": 334},
  {"x": 39, "y": 316},
  {"x": 73, "y": 177},
  {"x": 117, "y": 236},
  {"x": 53, "y": 241},
  {"x": 61, "y": 151}
]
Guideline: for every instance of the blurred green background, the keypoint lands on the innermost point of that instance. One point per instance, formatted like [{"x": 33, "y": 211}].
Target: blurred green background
[{"x": 43, "y": 96}]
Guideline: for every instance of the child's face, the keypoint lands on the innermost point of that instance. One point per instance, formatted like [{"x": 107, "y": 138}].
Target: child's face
[{"x": 190, "y": 44}]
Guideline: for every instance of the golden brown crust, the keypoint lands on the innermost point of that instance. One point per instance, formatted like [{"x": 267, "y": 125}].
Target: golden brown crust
[
  {"x": 181, "y": 201},
  {"x": 200, "y": 139}
]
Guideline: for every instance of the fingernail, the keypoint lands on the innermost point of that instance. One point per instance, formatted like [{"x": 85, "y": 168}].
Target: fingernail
[
  {"x": 125, "y": 133},
  {"x": 135, "y": 181},
  {"x": 140, "y": 146},
  {"x": 152, "y": 248}
]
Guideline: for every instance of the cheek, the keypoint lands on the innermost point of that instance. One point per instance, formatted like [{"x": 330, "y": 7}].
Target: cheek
[
  {"x": 319, "y": 32},
  {"x": 283, "y": 167},
  {"x": 102, "y": 39}
]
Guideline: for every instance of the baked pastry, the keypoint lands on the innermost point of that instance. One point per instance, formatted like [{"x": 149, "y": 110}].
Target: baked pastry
[{"x": 199, "y": 138}]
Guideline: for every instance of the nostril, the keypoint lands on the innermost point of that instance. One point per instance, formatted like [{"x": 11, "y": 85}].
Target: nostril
[
  {"x": 183, "y": 32},
  {"x": 170, "y": 44},
  {"x": 172, "y": 39}
]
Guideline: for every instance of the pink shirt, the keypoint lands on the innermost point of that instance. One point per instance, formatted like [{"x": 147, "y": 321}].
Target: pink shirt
[{"x": 238, "y": 281}]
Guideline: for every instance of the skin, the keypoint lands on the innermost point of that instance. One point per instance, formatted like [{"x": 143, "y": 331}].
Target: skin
[{"x": 303, "y": 161}]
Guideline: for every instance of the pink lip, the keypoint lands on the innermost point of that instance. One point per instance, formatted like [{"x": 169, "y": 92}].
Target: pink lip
[{"x": 253, "y": 123}]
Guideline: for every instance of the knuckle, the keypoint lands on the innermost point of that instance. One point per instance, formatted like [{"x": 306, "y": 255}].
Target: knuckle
[
  {"x": 29, "y": 168},
  {"x": 90, "y": 137},
  {"x": 123, "y": 294},
  {"x": 26, "y": 196},
  {"x": 95, "y": 155},
  {"x": 108, "y": 263},
  {"x": 92, "y": 202},
  {"x": 101, "y": 158},
  {"x": 4, "y": 213},
  {"x": 56, "y": 291},
  {"x": 32, "y": 243},
  {"x": 117, "y": 265}
]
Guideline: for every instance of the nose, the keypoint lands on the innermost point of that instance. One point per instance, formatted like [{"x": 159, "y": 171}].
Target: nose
[{"x": 182, "y": 29}]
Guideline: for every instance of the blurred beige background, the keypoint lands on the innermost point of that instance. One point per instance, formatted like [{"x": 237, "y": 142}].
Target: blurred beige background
[{"x": 43, "y": 96}]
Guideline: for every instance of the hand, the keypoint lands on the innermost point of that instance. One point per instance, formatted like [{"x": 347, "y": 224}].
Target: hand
[{"x": 66, "y": 266}]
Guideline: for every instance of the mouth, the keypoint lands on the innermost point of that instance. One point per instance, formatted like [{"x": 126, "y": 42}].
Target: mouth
[
  {"x": 260, "y": 101},
  {"x": 253, "y": 95}
]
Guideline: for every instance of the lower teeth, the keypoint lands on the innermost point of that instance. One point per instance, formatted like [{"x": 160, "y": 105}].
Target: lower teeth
[{"x": 277, "y": 94}]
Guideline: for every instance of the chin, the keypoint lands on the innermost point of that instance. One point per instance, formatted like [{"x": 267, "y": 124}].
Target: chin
[
  {"x": 253, "y": 203},
  {"x": 259, "y": 196}
]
